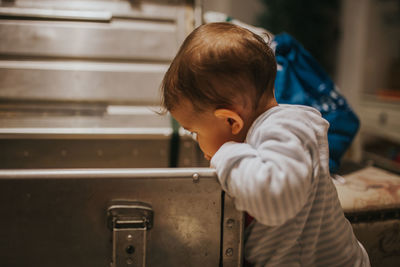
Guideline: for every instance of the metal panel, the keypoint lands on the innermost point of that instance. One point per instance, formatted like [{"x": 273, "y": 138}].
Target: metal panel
[
  {"x": 58, "y": 217},
  {"x": 91, "y": 136},
  {"x": 139, "y": 152},
  {"x": 139, "y": 9},
  {"x": 131, "y": 83},
  {"x": 123, "y": 39},
  {"x": 97, "y": 119},
  {"x": 55, "y": 14},
  {"x": 233, "y": 234},
  {"x": 81, "y": 153},
  {"x": 91, "y": 51}
]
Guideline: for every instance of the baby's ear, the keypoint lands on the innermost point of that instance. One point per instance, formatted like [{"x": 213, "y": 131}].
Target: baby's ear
[{"x": 232, "y": 118}]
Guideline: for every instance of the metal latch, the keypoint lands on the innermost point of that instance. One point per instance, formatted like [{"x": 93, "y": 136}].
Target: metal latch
[{"x": 129, "y": 222}]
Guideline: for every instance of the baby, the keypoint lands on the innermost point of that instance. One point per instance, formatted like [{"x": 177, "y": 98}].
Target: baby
[{"x": 272, "y": 159}]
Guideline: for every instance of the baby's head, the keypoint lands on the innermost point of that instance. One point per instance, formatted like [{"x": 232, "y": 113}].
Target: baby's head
[{"x": 221, "y": 79}]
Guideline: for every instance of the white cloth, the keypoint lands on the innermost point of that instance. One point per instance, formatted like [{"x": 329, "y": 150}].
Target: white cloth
[{"x": 280, "y": 176}]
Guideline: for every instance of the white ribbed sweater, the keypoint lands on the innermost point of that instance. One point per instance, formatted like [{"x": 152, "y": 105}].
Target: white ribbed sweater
[{"x": 280, "y": 176}]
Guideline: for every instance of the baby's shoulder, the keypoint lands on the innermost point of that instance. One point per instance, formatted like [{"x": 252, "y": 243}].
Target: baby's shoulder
[
  {"x": 295, "y": 111},
  {"x": 284, "y": 121},
  {"x": 286, "y": 114}
]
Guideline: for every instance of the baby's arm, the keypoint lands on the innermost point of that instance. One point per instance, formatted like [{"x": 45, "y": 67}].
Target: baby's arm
[{"x": 270, "y": 181}]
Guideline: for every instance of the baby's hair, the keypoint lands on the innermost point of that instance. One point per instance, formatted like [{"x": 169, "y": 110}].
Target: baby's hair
[{"x": 217, "y": 63}]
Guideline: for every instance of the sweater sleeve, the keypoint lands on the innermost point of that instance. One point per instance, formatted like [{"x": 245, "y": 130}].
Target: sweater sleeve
[{"x": 271, "y": 179}]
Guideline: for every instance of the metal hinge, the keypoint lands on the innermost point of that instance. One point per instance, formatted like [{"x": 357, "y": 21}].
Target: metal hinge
[{"x": 129, "y": 222}]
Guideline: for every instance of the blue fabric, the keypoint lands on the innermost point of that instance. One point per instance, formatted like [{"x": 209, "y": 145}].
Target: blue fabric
[{"x": 301, "y": 80}]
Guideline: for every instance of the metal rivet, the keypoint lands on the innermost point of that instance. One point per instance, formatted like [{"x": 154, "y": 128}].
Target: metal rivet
[
  {"x": 196, "y": 178},
  {"x": 229, "y": 252},
  {"x": 230, "y": 223},
  {"x": 129, "y": 261},
  {"x": 129, "y": 237}
]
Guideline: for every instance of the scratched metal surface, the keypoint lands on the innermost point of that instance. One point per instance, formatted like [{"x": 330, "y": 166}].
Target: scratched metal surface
[{"x": 59, "y": 217}]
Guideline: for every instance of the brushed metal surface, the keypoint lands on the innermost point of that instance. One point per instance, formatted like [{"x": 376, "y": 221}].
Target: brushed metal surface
[
  {"x": 233, "y": 234},
  {"x": 109, "y": 141},
  {"x": 25, "y": 121},
  {"x": 84, "y": 153},
  {"x": 114, "y": 152},
  {"x": 95, "y": 173},
  {"x": 139, "y": 9},
  {"x": 55, "y": 14},
  {"x": 119, "y": 39},
  {"x": 128, "y": 83},
  {"x": 58, "y": 217},
  {"x": 119, "y": 60}
]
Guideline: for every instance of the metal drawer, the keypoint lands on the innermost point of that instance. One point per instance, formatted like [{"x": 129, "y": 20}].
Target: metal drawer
[
  {"x": 89, "y": 51},
  {"x": 116, "y": 40},
  {"x": 62, "y": 218},
  {"x": 144, "y": 152},
  {"x": 98, "y": 137},
  {"x": 132, "y": 83},
  {"x": 381, "y": 119},
  {"x": 66, "y": 66},
  {"x": 95, "y": 10}
]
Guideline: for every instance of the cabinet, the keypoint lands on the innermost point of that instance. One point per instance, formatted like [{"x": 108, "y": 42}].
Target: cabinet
[
  {"x": 79, "y": 83},
  {"x": 369, "y": 76}
]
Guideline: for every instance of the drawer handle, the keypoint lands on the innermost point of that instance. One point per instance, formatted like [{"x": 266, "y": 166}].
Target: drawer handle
[{"x": 129, "y": 221}]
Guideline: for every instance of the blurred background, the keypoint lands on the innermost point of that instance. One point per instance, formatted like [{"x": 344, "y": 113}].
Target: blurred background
[{"x": 358, "y": 43}]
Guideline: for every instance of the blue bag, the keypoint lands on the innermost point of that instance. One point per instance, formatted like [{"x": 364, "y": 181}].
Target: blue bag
[{"x": 301, "y": 80}]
